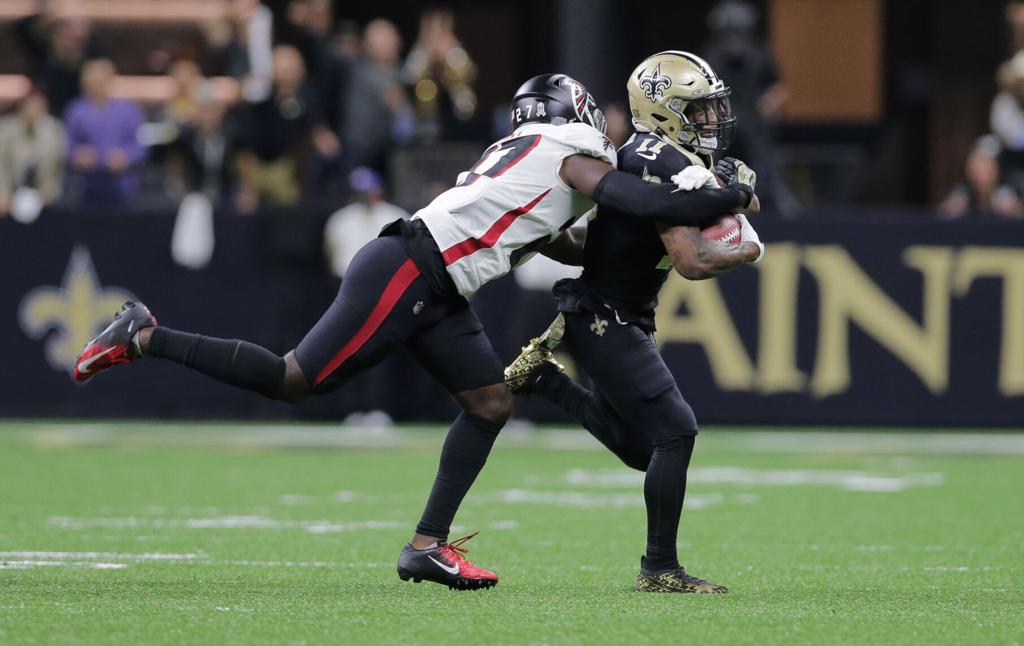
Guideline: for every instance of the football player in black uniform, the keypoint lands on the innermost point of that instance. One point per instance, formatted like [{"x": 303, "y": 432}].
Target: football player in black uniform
[{"x": 681, "y": 113}]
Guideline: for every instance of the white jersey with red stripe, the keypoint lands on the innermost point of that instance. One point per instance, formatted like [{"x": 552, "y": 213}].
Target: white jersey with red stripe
[{"x": 512, "y": 202}]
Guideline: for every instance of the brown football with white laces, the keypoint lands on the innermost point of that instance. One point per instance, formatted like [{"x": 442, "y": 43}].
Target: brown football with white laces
[{"x": 726, "y": 229}]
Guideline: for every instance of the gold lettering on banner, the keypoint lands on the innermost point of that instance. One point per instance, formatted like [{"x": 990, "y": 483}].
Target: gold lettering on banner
[
  {"x": 848, "y": 295},
  {"x": 1008, "y": 264},
  {"x": 708, "y": 323},
  {"x": 776, "y": 357}
]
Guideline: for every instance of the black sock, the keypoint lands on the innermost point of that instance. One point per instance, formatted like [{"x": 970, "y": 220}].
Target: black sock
[
  {"x": 234, "y": 362},
  {"x": 664, "y": 489},
  {"x": 603, "y": 423},
  {"x": 465, "y": 451}
]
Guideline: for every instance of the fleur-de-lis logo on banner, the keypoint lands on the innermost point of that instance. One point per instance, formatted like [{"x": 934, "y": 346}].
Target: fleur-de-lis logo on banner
[{"x": 75, "y": 312}]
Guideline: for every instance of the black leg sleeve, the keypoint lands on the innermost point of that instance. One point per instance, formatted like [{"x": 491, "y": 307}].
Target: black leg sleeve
[
  {"x": 234, "y": 362},
  {"x": 664, "y": 490},
  {"x": 465, "y": 451}
]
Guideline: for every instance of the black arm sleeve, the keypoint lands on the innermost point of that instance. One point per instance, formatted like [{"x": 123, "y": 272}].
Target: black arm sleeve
[{"x": 665, "y": 202}]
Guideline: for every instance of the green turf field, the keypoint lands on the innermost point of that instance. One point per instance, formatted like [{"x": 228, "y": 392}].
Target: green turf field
[{"x": 208, "y": 534}]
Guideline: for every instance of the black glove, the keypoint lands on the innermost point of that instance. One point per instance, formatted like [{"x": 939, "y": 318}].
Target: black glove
[{"x": 734, "y": 172}]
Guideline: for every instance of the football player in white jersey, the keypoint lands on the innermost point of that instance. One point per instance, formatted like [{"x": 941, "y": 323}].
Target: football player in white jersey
[{"x": 410, "y": 286}]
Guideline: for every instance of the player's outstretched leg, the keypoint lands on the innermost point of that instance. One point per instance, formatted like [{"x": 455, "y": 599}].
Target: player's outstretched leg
[
  {"x": 383, "y": 300},
  {"x": 134, "y": 333}
]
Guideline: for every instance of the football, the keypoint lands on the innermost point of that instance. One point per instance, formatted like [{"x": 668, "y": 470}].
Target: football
[{"x": 726, "y": 229}]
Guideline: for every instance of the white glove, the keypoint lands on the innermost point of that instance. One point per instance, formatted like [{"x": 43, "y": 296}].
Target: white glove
[
  {"x": 747, "y": 234},
  {"x": 692, "y": 178}
]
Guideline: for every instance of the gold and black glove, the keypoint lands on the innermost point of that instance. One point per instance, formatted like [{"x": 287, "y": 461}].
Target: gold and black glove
[{"x": 736, "y": 173}]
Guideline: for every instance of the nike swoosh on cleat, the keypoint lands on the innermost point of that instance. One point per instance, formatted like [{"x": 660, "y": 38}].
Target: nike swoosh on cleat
[
  {"x": 450, "y": 569},
  {"x": 85, "y": 366}
]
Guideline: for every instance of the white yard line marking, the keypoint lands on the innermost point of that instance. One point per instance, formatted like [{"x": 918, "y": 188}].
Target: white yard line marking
[
  {"x": 298, "y": 564},
  {"x": 226, "y": 522},
  {"x": 596, "y": 501},
  {"x": 146, "y": 556},
  {"x": 214, "y": 435},
  {"x": 846, "y": 480},
  {"x": 840, "y": 442},
  {"x": 503, "y": 524},
  {"x": 297, "y": 499},
  {"x": 20, "y": 560},
  {"x": 27, "y": 564},
  {"x": 898, "y": 568},
  {"x": 971, "y": 442}
]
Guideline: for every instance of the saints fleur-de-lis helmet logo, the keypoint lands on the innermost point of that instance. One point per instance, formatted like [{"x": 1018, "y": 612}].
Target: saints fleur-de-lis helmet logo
[
  {"x": 655, "y": 83},
  {"x": 69, "y": 316}
]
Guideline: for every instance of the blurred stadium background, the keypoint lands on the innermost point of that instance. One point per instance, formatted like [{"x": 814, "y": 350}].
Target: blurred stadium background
[
  {"x": 250, "y": 147},
  {"x": 255, "y": 146}
]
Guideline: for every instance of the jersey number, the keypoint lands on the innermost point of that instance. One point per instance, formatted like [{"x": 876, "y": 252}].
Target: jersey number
[
  {"x": 500, "y": 157},
  {"x": 649, "y": 151}
]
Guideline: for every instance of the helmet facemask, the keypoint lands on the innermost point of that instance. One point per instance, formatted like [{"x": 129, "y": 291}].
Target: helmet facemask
[{"x": 708, "y": 122}]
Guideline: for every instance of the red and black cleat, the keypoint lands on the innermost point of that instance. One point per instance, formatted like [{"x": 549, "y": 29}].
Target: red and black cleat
[
  {"x": 446, "y": 564},
  {"x": 114, "y": 344}
]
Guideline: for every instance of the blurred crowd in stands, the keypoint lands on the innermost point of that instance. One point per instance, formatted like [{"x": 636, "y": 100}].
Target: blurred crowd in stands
[
  {"x": 993, "y": 176},
  {"x": 274, "y": 114},
  {"x": 274, "y": 109}
]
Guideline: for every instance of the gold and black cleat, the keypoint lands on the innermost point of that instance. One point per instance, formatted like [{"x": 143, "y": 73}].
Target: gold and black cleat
[
  {"x": 676, "y": 581},
  {"x": 520, "y": 374}
]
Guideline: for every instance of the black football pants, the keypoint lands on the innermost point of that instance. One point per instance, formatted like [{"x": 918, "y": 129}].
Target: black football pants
[{"x": 636, "y": 410}]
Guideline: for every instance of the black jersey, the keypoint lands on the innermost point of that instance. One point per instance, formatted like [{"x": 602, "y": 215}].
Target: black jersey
[{"x": 624, "y": 261}]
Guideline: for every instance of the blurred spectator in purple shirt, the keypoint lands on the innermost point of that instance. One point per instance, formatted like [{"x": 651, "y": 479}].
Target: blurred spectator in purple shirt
[{"x": 103, "y": 150}]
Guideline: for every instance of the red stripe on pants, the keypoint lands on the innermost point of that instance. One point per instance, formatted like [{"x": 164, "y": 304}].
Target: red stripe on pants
[{"x": 399, "y": 282}]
